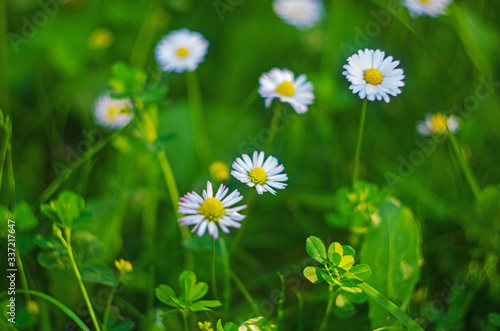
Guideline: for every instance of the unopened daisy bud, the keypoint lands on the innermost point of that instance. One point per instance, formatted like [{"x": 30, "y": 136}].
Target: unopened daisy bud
[
  {"x": 181, "y": 50},
  {"x": 299, "y": 13},
  {"x": 113, "y": 113},
  {"x": 205, "y": 326},
  {"x": 373, "y": 76},
  {"x": 32, "y": 307},
  {"x": 101, "y": 38},
  {"x": 426, "y": 7},
  {"x": 259, "y": 174},
  {"x": 435, "y": 124},
  {"x": 281, "y": 84},
  {"x": 123, "y": 266},
  {"x": 209, "y": 211},
  {"x": 219, "y": 170}
]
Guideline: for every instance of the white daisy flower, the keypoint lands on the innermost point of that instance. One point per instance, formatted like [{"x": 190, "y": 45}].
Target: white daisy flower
[
  {"x": 280, "y": 83},
  {"x": 208, "y": 211},
  {"x": 299, "y": 13},
  {"x": 373, "y": 76},
  {"x": 259, "y": 174},
  {"x": 113, "y": 113},
  {"x": 435, "y": 124},
  {"x": 426, "y": 7},
  {"x": 181, "y": 50}
]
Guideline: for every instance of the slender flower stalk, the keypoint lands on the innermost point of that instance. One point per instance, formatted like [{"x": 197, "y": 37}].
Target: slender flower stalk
[
  {"x": 214, "y": 280},
  {"x": 471, "y": 179},
  {"x": 200, "y": 135},
  {"x": 355, "y": 174},
  {"x": 67, "y": 243},
  {"x": 237, "y": 239},
  {"x": 273, "y": 125},
  {"x": 329, "y": 308}
]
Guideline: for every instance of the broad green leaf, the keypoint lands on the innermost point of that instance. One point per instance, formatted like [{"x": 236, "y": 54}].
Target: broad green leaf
[
  {"x": 362, "y": 271},
  {"x": 198, "y": 291},
  {"x": 179, "y": 302},
  {"x": 164, "y": 294},
  {"x": 230, "y": 326},
  {"x": 354, "y": 294},
  {"x": 198, "y": 307},
  {"x": 209, "y": 303},
  {"x": 313, "y": 275},
  {"x": 316, "y": 249},
  {"x": 347, "y": 262},
  {"x": 98, "y": 273},
  {"x": 348, "y": 250},
  {"x": 335, "y": 253},
  {"x": 187, "y": 279},
  {"x": 392, "y": 249},
  {"x": 65, "y": 209},
  {"x": 343, "y": 303},
  {"x": 23, "y": 215}
]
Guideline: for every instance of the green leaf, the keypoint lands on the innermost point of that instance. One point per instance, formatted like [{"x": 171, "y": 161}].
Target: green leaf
[
  {"x": 392, "y": 249},
  {"x": 347, "y": 262},
  {"x": 209, "y": 303},
  {"x": 230, "y": 326},
  {"x": 197, "y": 307},
  {"x": 164, "y": 294},
  {"x": 198, "y": 291},
  {"x": 344, "y": 303},
  {"x": 23, "y": 215},
  {"x": 65, "y": 209},
  {"x": 187, "y": 279},
  {"x": 362, "y": 271},
  {"x": 335, "y": 253},
  {"x": 98, "y": 273},
  {"x": 313, "y": 275},
  {"x": 316, "y": 249},
  {"x": 219, "y": 326},
  {"x": 348, "y": 250},
  {"x": 179, "y": 302}
]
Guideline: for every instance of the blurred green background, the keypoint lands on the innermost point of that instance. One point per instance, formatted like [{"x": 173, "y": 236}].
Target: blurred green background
[{"x": 56, "y": 67}]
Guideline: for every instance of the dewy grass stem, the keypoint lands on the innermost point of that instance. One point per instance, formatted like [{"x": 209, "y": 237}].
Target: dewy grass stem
[
  {"x": 355, "y": 174},
  {"x": 474, "y": 186}
]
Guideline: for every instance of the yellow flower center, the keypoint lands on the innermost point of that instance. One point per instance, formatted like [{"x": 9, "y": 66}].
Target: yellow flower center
[
  {"x": 437, "y": 123},
  {"x": 286, "y": 89},
  {"x": 212, "y": 209},
  {"x": 123, "y": 265},
  {"x": 219, "y": 170},
  {"x": 114, "y": 111},
  {"x": 258, "y": 176},
  {"x": 425, "y": 1},
  {"x": 182, "y": 52},
  {"x": 373, "y": 76}
]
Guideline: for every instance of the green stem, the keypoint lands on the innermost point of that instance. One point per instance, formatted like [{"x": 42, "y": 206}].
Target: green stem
[
  {"x": 355, "y": 174},
  {"x": 108, "y": 308},
  {"x": 185, "y": 322},
  {"x": 384, "y": 302},
  {"x": 226, "y": 276},
  {"x": 144, "y": 38},
  {"x": 474, "y": 186},
  {"x": 246, "y": 294},
  {"x": 214, "y": 280},
  {"x": 174, "y": 198},
  {"x": 329, "y": 308},
  {"x": 273, "y": 125},
  {"x": 24, "y": 281},
  {"x": 67, "y": 244},
  {"x": 240, "y": 231},
  {"x": 67, "y": 172},
  {"x": 200, "y": 135},
  {"x": 300, "y": 300}
]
